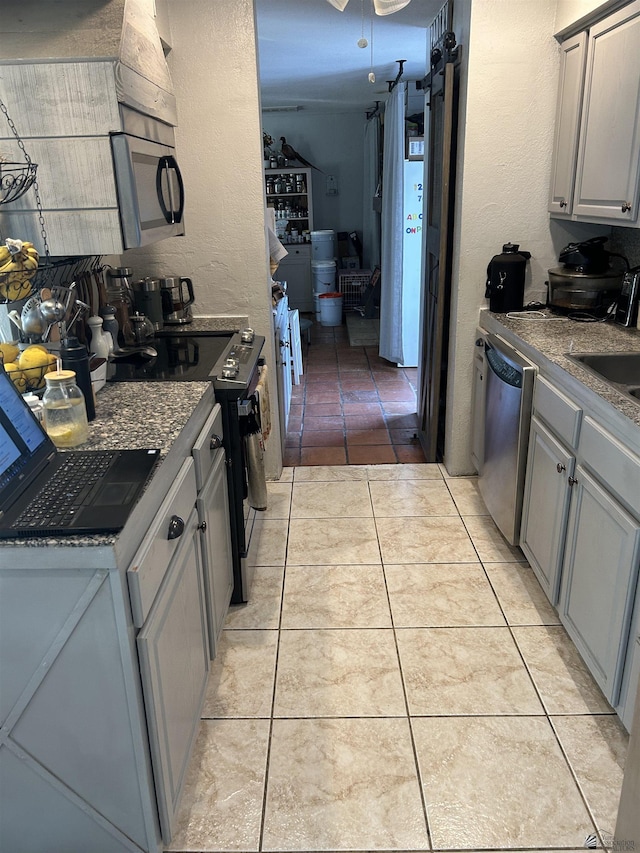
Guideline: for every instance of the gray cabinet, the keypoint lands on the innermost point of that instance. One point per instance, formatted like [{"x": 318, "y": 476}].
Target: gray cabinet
[
  {"x": 599, "y": 578},
  {"x": 478, "y": 402},
  {"x": 295, "y": 269},
  {"x": 173, "y": 647},
  {"x": 607, "y": 164},
  {"x": 546, "y": 506},
  {"x": 572, "y": 65}
]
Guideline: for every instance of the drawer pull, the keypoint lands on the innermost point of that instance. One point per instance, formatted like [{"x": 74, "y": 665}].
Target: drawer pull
[
  {"x": 626, "y": 207},
  {"x": 572, "y": 481},
  {"x": 176, "y": 527},
  {"x": 202, "y": 526},
  {"x": 560, "y": 467},
  {"x": 215, "y": 443}
]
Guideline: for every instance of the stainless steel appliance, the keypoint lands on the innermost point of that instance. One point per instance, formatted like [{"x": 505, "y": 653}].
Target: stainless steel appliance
[
  {"x": 176, "y": 301},
  {"x": 508, "y": 383},
  {"x": 231, "y": 363},
  {"x": 627, "y": 305},
  {"x": 586, "y": 281},
  {"x": 147, "y": 296},
  {"x": 149, "y": 183}
]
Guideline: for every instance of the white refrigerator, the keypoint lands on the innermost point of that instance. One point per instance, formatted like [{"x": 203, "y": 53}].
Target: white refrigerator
[{"x": 411, "y": 260}]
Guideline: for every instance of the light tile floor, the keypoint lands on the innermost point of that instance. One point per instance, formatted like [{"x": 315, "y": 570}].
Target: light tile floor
[{"x": 398, "y": 682}]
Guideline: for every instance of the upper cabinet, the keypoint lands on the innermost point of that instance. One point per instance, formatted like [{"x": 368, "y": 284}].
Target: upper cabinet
[{"x": 596, "y": 166}]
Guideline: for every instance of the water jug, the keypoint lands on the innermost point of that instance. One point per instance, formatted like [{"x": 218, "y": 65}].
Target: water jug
[{"x": 505, "y": 279}]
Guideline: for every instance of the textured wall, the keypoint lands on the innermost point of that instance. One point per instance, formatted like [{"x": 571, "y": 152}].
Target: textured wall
[{"x": 219, "y": 144}]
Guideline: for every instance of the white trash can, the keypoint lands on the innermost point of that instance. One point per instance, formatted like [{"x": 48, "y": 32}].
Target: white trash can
[
  {"x": 330, "y": 309},
  {"x": 324, "y": 276},
  {"x": 322, "y": 245},
  {"x": 316, "y": 307}
]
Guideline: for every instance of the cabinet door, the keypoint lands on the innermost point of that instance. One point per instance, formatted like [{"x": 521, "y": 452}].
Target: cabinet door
[
  {"x": 213, "y": 515},
  {"x": 609, "y": 153},
  {"x": 599, "y": 577},
  {"x": 545, "y": 507},
  {"x": 295, "y": 269},
  {"x": 565, "y": 150},
  {"x": 174, "y": 664}
]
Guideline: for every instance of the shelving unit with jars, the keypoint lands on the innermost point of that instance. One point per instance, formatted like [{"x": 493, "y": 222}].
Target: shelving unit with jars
[{"x": 288, "y": 191}]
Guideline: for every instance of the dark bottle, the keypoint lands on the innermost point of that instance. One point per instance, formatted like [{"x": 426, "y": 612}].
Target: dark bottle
[
  {"x": 505, "y": 279},
  {"x": 75, "y": 356}
]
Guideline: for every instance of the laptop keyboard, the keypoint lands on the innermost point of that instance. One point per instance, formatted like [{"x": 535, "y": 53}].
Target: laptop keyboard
[{"x": 66, "y": 491}]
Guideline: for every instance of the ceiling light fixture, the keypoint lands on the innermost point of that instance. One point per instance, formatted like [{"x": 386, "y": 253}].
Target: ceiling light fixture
[{"x": 381, "y": 7}]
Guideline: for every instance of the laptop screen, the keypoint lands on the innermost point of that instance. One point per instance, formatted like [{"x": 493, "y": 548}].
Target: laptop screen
[{"x": 24, "y": 445}]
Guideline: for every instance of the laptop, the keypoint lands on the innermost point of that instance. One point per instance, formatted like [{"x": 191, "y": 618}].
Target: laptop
[{"x": 46, "y": 492}]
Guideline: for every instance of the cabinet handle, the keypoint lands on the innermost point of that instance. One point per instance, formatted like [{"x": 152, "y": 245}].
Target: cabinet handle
[
  {"x": 215, "y": 443},
  {"x": 560, "y": 467},
  {"x": 176, "y": 527},
  {"x": 563, "y": 203},
  {"x": 626, "y": 206},
  {"x": 572, "y": 481},
  {"x": 202, "y": 526}
]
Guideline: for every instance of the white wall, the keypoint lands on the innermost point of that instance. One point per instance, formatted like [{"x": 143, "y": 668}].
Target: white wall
[
  {"x": 507, "y": 122},
  {"x": 219, "y": 145}
]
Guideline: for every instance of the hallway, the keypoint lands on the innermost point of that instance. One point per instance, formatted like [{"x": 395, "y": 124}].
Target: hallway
[
  {"x": 398, "y": 682},
  {"x": 351, "y": 407}
]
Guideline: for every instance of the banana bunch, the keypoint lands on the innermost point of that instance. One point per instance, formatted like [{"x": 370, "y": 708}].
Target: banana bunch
[{"x": 18, "y": 264}]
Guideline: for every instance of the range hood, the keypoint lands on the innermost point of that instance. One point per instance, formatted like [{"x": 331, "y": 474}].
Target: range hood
[
  {"x": 74, "y": 73},
  {"x": 122, "y": 33}
]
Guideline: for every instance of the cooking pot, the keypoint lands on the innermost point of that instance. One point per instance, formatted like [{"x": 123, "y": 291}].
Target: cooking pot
[
  {"x": 588, "y": 256},
  {"x": 570, "y": 290}
]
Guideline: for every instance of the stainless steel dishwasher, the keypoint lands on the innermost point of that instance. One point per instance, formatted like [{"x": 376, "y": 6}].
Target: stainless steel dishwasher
[{"x": 508, "y": 383}]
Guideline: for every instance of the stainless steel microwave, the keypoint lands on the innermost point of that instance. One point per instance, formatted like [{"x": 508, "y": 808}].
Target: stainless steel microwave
[{"x": 149, "y": 185}]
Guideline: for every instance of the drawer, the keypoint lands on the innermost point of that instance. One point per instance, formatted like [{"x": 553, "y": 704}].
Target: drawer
[
  {"x": 207, "y": 445},
  {"x": 557, "y": 411},
  {"x": 147, "y": 569},
  {"x": 616, "y": 467}
]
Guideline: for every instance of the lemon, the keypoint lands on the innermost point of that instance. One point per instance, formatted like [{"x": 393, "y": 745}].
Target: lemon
[
  {"x": 8, "y": 352},
  {"x": 17, "y": 376},
  {"x": 33, "y": 356}
]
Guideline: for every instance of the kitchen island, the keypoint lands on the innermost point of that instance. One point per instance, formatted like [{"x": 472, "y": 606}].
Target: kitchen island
[{"x": 93, "y": 754}]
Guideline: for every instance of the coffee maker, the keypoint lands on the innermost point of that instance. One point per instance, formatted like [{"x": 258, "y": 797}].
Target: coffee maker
[{"x": 177, "y": 298}]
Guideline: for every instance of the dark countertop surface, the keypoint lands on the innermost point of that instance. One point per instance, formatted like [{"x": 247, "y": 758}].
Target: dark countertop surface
[{"x": 552, "y": 337}]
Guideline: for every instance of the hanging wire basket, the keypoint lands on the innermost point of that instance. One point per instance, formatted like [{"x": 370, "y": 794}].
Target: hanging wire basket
[{"x": 15, "y": 180}]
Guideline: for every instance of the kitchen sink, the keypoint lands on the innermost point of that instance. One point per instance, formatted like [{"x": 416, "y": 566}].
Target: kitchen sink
[{"x": 620, "y": 370}]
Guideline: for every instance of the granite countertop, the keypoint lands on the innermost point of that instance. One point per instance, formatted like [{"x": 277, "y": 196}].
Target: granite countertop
[{"x": 553, "y": 336}]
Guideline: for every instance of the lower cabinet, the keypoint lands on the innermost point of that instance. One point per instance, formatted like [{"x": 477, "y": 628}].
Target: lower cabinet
[
  {"x": 580, "y": 532},
  {"x": 285, "y": 364},
  {"x": 546, "y": 507},
  {"x": 599, "y": 580},
  {"x": 295, "y": 269},
  {"x": 174, "y": 664}
]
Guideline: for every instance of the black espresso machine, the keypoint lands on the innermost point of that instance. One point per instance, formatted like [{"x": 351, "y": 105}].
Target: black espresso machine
[{"x": 229, "y": 360}]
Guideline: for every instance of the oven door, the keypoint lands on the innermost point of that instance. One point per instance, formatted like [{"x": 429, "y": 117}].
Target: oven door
[{"x": 150, "y": 190}]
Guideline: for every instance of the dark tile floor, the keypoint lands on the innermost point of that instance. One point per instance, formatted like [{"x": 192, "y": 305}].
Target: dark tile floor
[{"x": 351, "y": 406}]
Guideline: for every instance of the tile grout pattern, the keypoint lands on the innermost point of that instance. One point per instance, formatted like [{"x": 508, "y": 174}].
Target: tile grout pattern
[
  {"x": 351, "y": 406},
  {"x": 397, "y": 682}
]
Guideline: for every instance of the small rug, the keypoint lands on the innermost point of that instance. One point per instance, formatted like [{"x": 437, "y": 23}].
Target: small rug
[{"x": 362, "y": 332}]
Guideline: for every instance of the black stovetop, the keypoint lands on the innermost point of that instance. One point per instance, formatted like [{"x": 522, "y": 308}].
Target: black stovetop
[{"x": 183, "y": 356}]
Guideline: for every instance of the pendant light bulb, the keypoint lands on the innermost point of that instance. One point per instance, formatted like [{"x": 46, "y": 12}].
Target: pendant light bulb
[
  {"x": 372, "y": 77},
  {"x": 363, "y": 42}
]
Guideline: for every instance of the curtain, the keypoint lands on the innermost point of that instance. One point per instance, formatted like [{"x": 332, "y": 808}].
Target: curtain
[
  {"x": 371, "y": 217},
  {"x": 392, "y": 228}
]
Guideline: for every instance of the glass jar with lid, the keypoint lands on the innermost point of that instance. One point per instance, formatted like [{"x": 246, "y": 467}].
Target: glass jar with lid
[{"x": 64, "y": 409}]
